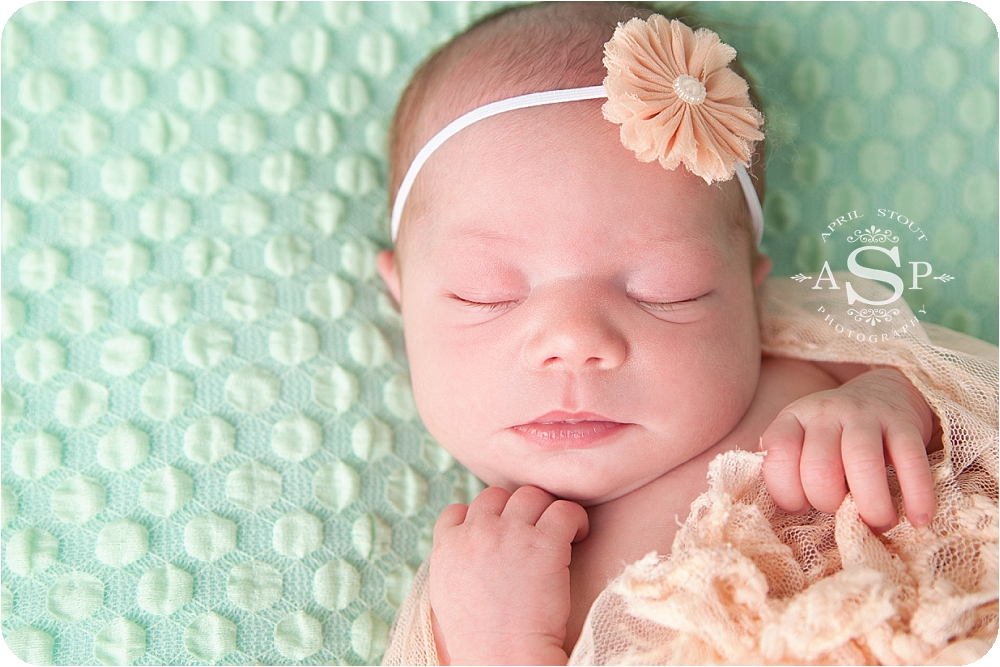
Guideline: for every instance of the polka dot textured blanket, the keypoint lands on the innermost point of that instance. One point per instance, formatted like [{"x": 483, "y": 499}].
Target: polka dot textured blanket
[{"x": 210, "y": 451}]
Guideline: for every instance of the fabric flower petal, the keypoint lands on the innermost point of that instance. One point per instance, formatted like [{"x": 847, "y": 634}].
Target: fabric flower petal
[{"x": 660, "y": 118}]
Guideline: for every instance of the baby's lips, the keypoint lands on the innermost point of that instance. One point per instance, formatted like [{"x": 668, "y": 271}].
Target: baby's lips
[
  {"x": 556, "y": 416},
  {"x": 560, "y": 429}
]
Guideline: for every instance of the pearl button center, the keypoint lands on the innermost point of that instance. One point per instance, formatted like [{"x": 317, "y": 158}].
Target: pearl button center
[{"x": 689, "y": 89}]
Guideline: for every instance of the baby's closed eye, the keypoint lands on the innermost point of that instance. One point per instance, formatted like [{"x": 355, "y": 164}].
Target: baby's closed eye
[
  {"x": 676, "y": 310},
  {"x": 666, "y": 305},
  {"x": 485, "y": 304}
]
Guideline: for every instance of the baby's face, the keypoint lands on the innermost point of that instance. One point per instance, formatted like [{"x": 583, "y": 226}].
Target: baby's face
[{"x": 574, "y": 319}]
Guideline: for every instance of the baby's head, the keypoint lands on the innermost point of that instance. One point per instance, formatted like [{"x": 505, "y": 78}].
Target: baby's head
[{"x": 574, "y": 318}]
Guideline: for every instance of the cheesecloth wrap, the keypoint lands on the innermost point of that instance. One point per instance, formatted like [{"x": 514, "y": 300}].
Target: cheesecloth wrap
[{"x": 748, "y": 583}]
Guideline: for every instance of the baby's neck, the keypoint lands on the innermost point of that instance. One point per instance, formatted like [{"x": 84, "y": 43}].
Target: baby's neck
[{"x": 625, "y": 529}]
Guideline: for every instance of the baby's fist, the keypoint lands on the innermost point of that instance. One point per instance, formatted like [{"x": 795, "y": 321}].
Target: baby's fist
[
  {"x": 850, "y": 432},
  {"x": 499, "y": 576}
]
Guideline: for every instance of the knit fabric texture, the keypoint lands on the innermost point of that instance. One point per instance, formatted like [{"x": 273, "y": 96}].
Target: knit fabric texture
[{"x": 210, "y": 451}]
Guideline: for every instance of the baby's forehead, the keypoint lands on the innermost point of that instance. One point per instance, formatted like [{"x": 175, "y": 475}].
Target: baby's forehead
[
  {"x": 479, "y": 233},
  {"x": 501, "y": 148}
]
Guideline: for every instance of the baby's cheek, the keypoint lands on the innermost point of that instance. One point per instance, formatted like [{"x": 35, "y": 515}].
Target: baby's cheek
[
  {"x": 425, "y": 380},
  {"x": 438, "y": 402},
  {"x": 723, "y": 369},
  {"x": 448, "y": 394}
]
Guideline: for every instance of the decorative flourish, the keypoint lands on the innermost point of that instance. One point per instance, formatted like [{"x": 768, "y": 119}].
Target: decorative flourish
[
  {"x": 872, "y": 315},
  {"x": 676, "y": 99},
  {"x": 944, "y": 277},
  {"x": 873, "y": 235},
  {"x": 798, "y": 277}
]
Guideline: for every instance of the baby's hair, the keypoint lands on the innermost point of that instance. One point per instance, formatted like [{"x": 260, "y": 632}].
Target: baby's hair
[{"x": 518, "y": 50}]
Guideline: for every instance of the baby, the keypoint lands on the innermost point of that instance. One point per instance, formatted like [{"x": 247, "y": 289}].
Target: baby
[{"x": 582, "y": 327}]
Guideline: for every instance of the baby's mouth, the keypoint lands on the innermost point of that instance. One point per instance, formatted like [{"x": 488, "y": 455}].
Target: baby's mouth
[{"x": 565, "y": 430}]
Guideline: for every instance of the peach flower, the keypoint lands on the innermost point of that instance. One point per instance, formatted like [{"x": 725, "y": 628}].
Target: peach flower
[{"x": 676, "y": 99}]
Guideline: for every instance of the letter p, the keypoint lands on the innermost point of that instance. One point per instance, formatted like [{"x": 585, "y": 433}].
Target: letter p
[{"x": 917, "y": 276}]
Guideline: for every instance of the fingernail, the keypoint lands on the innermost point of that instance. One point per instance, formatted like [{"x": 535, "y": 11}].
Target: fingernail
[
  {"x": 760, "y": 445},
  {"x": 922, "y": 520}
]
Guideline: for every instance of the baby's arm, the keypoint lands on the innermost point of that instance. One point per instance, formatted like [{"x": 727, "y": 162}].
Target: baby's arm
[
  {"x": 513, "y": 552},
  {"x": 850, "y": 432}
]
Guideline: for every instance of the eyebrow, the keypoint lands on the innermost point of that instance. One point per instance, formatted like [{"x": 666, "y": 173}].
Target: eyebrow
[
  {"x": 479, "y": 234},
  {"x": 668, "y": 240},
  {"x": 663, "y": 238}
]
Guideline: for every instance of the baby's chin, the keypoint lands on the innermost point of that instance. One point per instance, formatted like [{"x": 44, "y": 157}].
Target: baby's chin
[{"x": 587, "y": 490}]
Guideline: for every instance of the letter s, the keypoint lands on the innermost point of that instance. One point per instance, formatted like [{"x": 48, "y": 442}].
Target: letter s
[{"x": 874, "y": 274}]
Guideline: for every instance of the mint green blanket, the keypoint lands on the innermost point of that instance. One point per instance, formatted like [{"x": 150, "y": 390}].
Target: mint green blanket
[{"x": 210, "y": 451}]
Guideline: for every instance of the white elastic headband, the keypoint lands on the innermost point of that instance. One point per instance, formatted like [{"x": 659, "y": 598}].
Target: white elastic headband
[{"x": 536, "y": 100}]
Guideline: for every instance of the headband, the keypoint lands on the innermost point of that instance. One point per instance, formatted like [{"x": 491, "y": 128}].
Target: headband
[{"x": 674, "y": 95}]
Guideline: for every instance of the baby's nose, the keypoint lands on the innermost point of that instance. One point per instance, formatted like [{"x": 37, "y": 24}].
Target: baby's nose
[{"x": 575, "y": 333}]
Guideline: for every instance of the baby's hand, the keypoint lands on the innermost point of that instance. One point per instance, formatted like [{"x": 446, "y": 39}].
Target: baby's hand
[
  {"x": 819, "y": 439},
  {"x": 499, "y": 577}
]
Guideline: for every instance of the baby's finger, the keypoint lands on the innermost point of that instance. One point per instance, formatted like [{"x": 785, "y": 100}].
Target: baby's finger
[
  {"x": 906, "y": 451},
  {"x": 821, "y": 467},
  {"x": 782, "y": 441},
  {"x": 527, "y": 504},
  {"x": 490, "y": 501},
  {"x": 564, "y": 520},
  {"x": 864, "y": 464},
  {"x": 453, "y": 515}
]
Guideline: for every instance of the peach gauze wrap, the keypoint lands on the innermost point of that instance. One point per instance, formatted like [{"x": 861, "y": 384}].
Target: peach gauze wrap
[{"x": 747, "y": 583}]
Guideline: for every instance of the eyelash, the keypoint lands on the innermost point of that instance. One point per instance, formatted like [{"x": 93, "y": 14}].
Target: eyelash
[
  {"x": 666, "y": 306},
  {"x": 491, "y": 307},
  {"x": 486, "y": 307}
]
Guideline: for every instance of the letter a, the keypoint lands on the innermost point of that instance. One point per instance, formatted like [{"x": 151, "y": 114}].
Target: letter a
[{"x": 827, "y": 271}]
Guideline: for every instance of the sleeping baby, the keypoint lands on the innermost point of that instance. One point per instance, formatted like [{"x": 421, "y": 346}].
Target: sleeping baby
[{"x": 577, "y": 268}]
